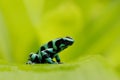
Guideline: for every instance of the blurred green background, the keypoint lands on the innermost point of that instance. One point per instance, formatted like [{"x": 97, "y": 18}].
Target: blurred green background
[{"x": 94, "y": 25}]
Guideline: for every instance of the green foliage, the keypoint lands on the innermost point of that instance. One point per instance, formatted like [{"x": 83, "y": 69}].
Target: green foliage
[
  {"x": 89, "y": 68},
  {"x": 94, "y": 25}
]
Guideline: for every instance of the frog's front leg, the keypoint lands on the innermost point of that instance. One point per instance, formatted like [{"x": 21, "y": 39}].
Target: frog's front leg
[{"x": 46, "y": 55}]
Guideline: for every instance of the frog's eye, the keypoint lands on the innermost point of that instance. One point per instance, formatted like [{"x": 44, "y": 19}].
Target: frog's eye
[{"x": 68, "y": 41}]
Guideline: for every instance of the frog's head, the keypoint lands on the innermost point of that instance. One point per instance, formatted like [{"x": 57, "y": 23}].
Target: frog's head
[{"x": 67, "y": 41}]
